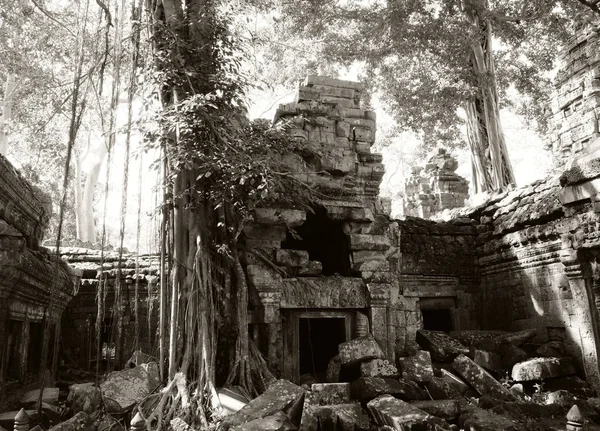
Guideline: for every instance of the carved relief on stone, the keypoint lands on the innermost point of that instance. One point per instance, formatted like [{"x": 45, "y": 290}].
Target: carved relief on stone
[
  {"x": 324, "y": 292},
  {"x": 379, "y": 294}
]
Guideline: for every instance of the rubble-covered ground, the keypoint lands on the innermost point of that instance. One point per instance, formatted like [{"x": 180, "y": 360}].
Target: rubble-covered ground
[{"x": 470, "y": 380}]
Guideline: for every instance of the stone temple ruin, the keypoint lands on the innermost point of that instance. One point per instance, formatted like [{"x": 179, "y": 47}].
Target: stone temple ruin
[{"x": 397, "y": 323}]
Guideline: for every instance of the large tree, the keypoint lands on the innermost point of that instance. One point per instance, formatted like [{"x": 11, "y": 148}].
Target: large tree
[{"x": 435, "y": 62}]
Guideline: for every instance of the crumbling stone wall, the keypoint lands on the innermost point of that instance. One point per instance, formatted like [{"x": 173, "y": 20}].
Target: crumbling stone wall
[
  {"x": 435, "y": 187},
  {"x": 34, "y": 286},
  {"x": 79, "y": 338},
  {"x": 576, "y": 105}
]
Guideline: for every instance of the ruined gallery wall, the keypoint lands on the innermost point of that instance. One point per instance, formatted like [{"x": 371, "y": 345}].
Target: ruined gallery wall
[{"x": 79, "y": 339}]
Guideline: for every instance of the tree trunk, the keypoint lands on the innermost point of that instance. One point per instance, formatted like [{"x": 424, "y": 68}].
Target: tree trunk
[{"x": 491, "y": 168}]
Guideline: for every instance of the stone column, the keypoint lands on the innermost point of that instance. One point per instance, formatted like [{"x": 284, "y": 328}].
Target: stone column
[
  {"x": 585, "y": 318},
  {"x": 379, "y": 299},
  {"x": 3, "y": 344},
  {"x": 270, "y": 314}
]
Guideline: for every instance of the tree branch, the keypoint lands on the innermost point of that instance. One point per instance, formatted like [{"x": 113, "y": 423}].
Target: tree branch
[{"x": 593, "y": 5}]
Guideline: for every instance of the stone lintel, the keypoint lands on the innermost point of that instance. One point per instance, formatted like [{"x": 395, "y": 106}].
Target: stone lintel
[
  {"x": 579, "y": 192},
  {"x": 423, "y": 286}
]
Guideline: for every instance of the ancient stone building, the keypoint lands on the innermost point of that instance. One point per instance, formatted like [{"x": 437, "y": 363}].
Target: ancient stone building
[
  {"x": 35, "y": 286},
  {"x": 435, "y": 187},
  {"x": 80, "y": 335},
  {"x": 525, "y": 259},
  {"x": 575, "y": 109}
]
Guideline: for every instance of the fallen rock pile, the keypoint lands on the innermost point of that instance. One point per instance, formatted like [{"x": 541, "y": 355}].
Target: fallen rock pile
[{"x": 475, "y": 380}]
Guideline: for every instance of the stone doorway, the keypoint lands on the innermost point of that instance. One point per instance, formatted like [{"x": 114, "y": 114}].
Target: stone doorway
[
  {"x": 311, "y": 340},
  {"x": 438, "y": 320}
]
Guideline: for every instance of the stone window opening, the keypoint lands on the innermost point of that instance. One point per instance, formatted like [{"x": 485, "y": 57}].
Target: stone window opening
[
  {"x": 318, "y": 344},
  {"x": 324, "y": 240}
]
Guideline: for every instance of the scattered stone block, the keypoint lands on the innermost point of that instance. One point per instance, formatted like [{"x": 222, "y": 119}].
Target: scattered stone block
[
  {"x": 476, "y": 419},
  {"x": 334, "y": 369},
  {"x": 50, "y": 396},
  {"x": 359, "y": 241},
  {"x": 542, "y": 368},
  {"x": 455, "y": 382},
  {"x": 367, "y": 388},
  {"x": 491, "y": 361},
  {"x": 231, "y": 400},
  {"x": 84, "y": 397},
  {"x": 123, "y": 389},
  {"x": 80, "y": 422},
  {"x": 497, "y": 344},
  {"x": 511, "y": 355},
  {"x": 329, "y": 393},
  {"x": 387, "y": 410},
  {"x": 281, "y": 396},
  {"x": 359, "y": 350},
  {"x": 417, "y": 368},
  {"x": 276, "y": 422},
  {"x": 343, "y": 417},
  {"x": 445, "y": 409},
  {"x": 439, "y": 389},
  {"x": 312, "y": 269},
  {"x": 573, "y": 384},
  {"x": 552, "y": 349},
  {"x": 560, "y": 397},
  {"x": 442, "y": 347},
  {"x": 292, "y": 258},
  {"x": 378, "y": 368},
  {"x": 288, "y": 217},
  {"x": 480, "y": 379}
]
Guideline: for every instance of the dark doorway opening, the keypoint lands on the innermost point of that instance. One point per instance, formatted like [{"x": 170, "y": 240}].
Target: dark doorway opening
[
  {"x": 437, "y": 320},
  {"x": 318, "y": 343},
  {"x": 15, "y": 336},
  {"x": 36, "y": 340},
  {"x": 324, "y": 240}
]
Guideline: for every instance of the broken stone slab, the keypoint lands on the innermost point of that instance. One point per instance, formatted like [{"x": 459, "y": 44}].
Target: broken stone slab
[
  {"x": 455, "y": 382},
  {"x": 491, "y": 361},
  {"x": 232, "y": 400},
  {"x": 400, "y": 415},
  {"x": 439, "y": 389},
  {"x": 322, "y": 394},
  {"x": 480, "y": 379},
  {"x": 499, "y": 343},
  {"x": 445, "y": 409},
  {"x": 343, "y": 417},
  {"x": 50, "y": 396},
  {"x": 281, "y": 396},
  {"x": 417, "y": 367},
  {"x": 313, "y": 268},
  {"x": 276, "y": 422},
  {"x": 80, "y": 422},
  {"x": 334, "y": 369},
  {"x": 359, "y": 350},
  {"x": 378, "y": 368},
  {"x": 476, "y": 419},
  {"x": 292, "y": 258},
  {"x": 123, "y": 389},
  {"x": 542, "y": 368},
  {"x": 367, "y": 388},
  {"x": 552, "y": 349},
  {"x": 84, "y": 397},
  {"x": 288, "y": 217},
  {"x": 442, "y": 347},
  {"x": 325, "y": 394},
  {"x": 512, "y": 355}
]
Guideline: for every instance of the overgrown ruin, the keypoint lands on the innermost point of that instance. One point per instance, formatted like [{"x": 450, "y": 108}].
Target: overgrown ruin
[{"x": 368, "y": 313}]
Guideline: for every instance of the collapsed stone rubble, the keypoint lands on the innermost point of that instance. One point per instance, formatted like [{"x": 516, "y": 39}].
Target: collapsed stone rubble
[{"x": 421, "y": 394}]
